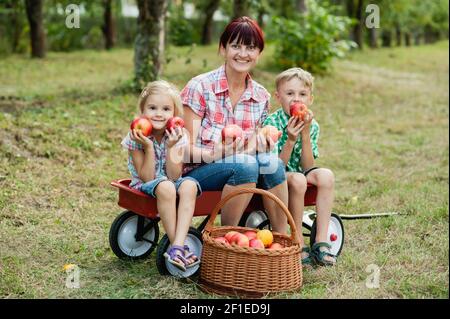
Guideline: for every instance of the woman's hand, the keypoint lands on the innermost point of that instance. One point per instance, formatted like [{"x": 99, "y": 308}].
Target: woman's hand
[
  {"x": 137, "y": 136},
  {"x": 222, "y": 150},
  {"x": 264, "y": 144},
  {"x": 174, "y": 135}
]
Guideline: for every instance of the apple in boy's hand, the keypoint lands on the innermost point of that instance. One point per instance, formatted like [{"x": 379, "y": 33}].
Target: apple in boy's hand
[
  {"x": 272, "y": 132},
  {"x": 230, "y": 133},
  {"x": 299, "y": 110},
  {"x": 174, "y": 122},
  {"x": 143, "y": 124}
]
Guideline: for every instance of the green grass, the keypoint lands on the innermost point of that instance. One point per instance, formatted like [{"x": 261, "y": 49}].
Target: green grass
[{"x": 384, "y": 132}]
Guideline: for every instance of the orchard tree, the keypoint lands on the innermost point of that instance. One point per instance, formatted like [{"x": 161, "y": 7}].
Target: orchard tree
[
  {"x": 34, "y": 9},
  {"x": 209, "y": 7},
  {"x": 150, "y": 41}
]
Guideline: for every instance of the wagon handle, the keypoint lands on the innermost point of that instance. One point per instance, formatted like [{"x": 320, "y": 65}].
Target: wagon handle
[{"x": 262, "y": 192}]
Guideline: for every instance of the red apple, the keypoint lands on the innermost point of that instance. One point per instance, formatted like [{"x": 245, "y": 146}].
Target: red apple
[
  {"x": 228, "y": 236},
  {"x": 221, "y": 240},
  {"x": 143, "y": 124},
  {"x": 275, "y": 246},
  {"x": 240, "y": 240},
  {"x": 256, "y": 243},
  {"x": 333, "y": 237},
  {"x": 174, "y": 122},
  {"x": 272, "y": 132},
  {"x": 230, "y": 133},
  {"x": 250, "y": 234},
  {"x": 299, "y": 110}
]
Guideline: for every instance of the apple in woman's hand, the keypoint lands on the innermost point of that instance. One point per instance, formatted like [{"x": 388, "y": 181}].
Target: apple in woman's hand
[
  {"x": 299, "y": 110},
  {"x": 272, "y": 132},
  {"x": 143, "y": 124},
  {"x": 230, "y": 133},
  {"x": 174, "y": 122}
]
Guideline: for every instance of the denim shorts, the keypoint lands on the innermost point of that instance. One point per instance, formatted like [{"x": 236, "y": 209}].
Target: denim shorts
[
  {"x": 149, "y": 188},
  {"x": 271, "y": 170}
]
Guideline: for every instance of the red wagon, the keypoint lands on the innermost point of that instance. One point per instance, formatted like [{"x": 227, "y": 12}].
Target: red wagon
[{"x": 134, "y": 234}]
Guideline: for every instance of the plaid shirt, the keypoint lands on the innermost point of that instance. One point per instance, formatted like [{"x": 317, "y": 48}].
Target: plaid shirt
[
  {"x": 280, "y": 119},
  {"x": 208, "y": 96},
  {"x": 160, "y": 158}
]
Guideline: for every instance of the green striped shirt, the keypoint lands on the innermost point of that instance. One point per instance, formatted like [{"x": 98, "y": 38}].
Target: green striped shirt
[{"x": 280, "y": 119}]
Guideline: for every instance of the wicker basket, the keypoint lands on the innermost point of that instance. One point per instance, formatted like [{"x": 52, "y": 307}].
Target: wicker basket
[{"x": 249, "y": 272}]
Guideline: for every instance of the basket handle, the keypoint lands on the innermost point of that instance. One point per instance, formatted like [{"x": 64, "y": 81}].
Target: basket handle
[{"x": 262, "y": 192}]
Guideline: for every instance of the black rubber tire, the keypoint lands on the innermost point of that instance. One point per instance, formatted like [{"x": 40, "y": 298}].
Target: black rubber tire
[
  {"x": 313, "y": 232},
  {"x": 114, "y": 237},
  {"x": 164, "y": 244}
]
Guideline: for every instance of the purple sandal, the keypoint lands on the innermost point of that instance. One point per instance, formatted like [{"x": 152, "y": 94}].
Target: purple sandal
[
  {"x": 189, "y": 255},
  {"x": 171, "y": 256}
]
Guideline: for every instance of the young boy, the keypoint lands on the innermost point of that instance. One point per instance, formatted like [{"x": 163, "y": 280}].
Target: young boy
[{"x": 297, "y": 147}]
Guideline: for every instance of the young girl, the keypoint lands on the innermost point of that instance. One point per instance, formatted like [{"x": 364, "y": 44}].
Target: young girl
[{"x": 155, "y": 164}]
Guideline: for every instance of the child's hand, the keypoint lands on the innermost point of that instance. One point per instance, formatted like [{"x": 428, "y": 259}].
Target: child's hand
[
  {"x": 137, "y": 136},
  {"x": 294, "y": 127},
  {"x": 307, "y": 120},
  {"x": 174, "y": 135}
]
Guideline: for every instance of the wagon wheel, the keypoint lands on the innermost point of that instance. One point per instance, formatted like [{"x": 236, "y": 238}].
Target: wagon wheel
[
  {"x": 123, "y": 236},
  {"x": 255, "y": 219},
  {"x": 195, "y": 243},
  {"x": 335, "y": 236}
]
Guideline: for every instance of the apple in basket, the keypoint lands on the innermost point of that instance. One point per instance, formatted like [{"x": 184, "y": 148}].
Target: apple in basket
[
  {"x": 275, "y": 246},
  {"x": 265, "y": 236},
  {"x": 221, "y": 240},
  {"x": 240, "y": 240},
  {"x": 143, "y": 124},
  {"x": 228, "y": 236},
  {"x": 256, "y": 243},
  {"x": 250, "y": 234}
]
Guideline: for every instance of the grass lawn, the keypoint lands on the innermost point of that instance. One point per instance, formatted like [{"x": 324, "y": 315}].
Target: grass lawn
[{"x": 384, "y": 119}]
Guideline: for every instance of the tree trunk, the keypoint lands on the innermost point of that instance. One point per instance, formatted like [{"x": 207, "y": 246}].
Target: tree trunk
[
  {"x": 210, "y": 9},
  {"x": 240, "y": 8},
  {"x": 398, "y": 35},
  {"x": 149, "y": 43},
  {"x": 260, "y": 20},
  {"x": 356, "y": 12},
  {"x": 108, "y": 25},
  {"x": 386, "y": 38},
  {"x": 373, "y": 38},
  {"x": 37, "y": 33},
  {"x": 407, "y": 39},
  {"x": 301, "y": 6}
]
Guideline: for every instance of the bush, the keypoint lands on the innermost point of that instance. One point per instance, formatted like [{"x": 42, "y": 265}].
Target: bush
[{"x": 312, "y": 40}]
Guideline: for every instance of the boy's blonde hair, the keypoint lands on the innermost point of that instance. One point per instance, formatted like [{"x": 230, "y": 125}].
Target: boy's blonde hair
[
  {"x": 301, "y": 74},
  {"x": 161, "y": 87}
]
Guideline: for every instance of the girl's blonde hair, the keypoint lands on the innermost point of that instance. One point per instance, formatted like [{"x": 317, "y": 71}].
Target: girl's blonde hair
[
  {"x": 161, "y": 87},
  {"x": 301, "y": 74}
]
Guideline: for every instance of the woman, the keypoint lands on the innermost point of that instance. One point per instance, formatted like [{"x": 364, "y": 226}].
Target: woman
[{"x": 228, "y": 95}]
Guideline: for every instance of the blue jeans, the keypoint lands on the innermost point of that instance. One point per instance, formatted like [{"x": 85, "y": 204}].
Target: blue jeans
[{"x": 265, "y": 170}]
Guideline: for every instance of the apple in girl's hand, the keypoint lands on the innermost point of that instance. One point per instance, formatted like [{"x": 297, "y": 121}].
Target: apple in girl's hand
[
  {"x": 230, "y": 133},
  {"x": 299, "y": 110},
  {"x": 174, "y": 122},
  {"x": 143, "y": 124},
  {"x": 272, "y": 132}
]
